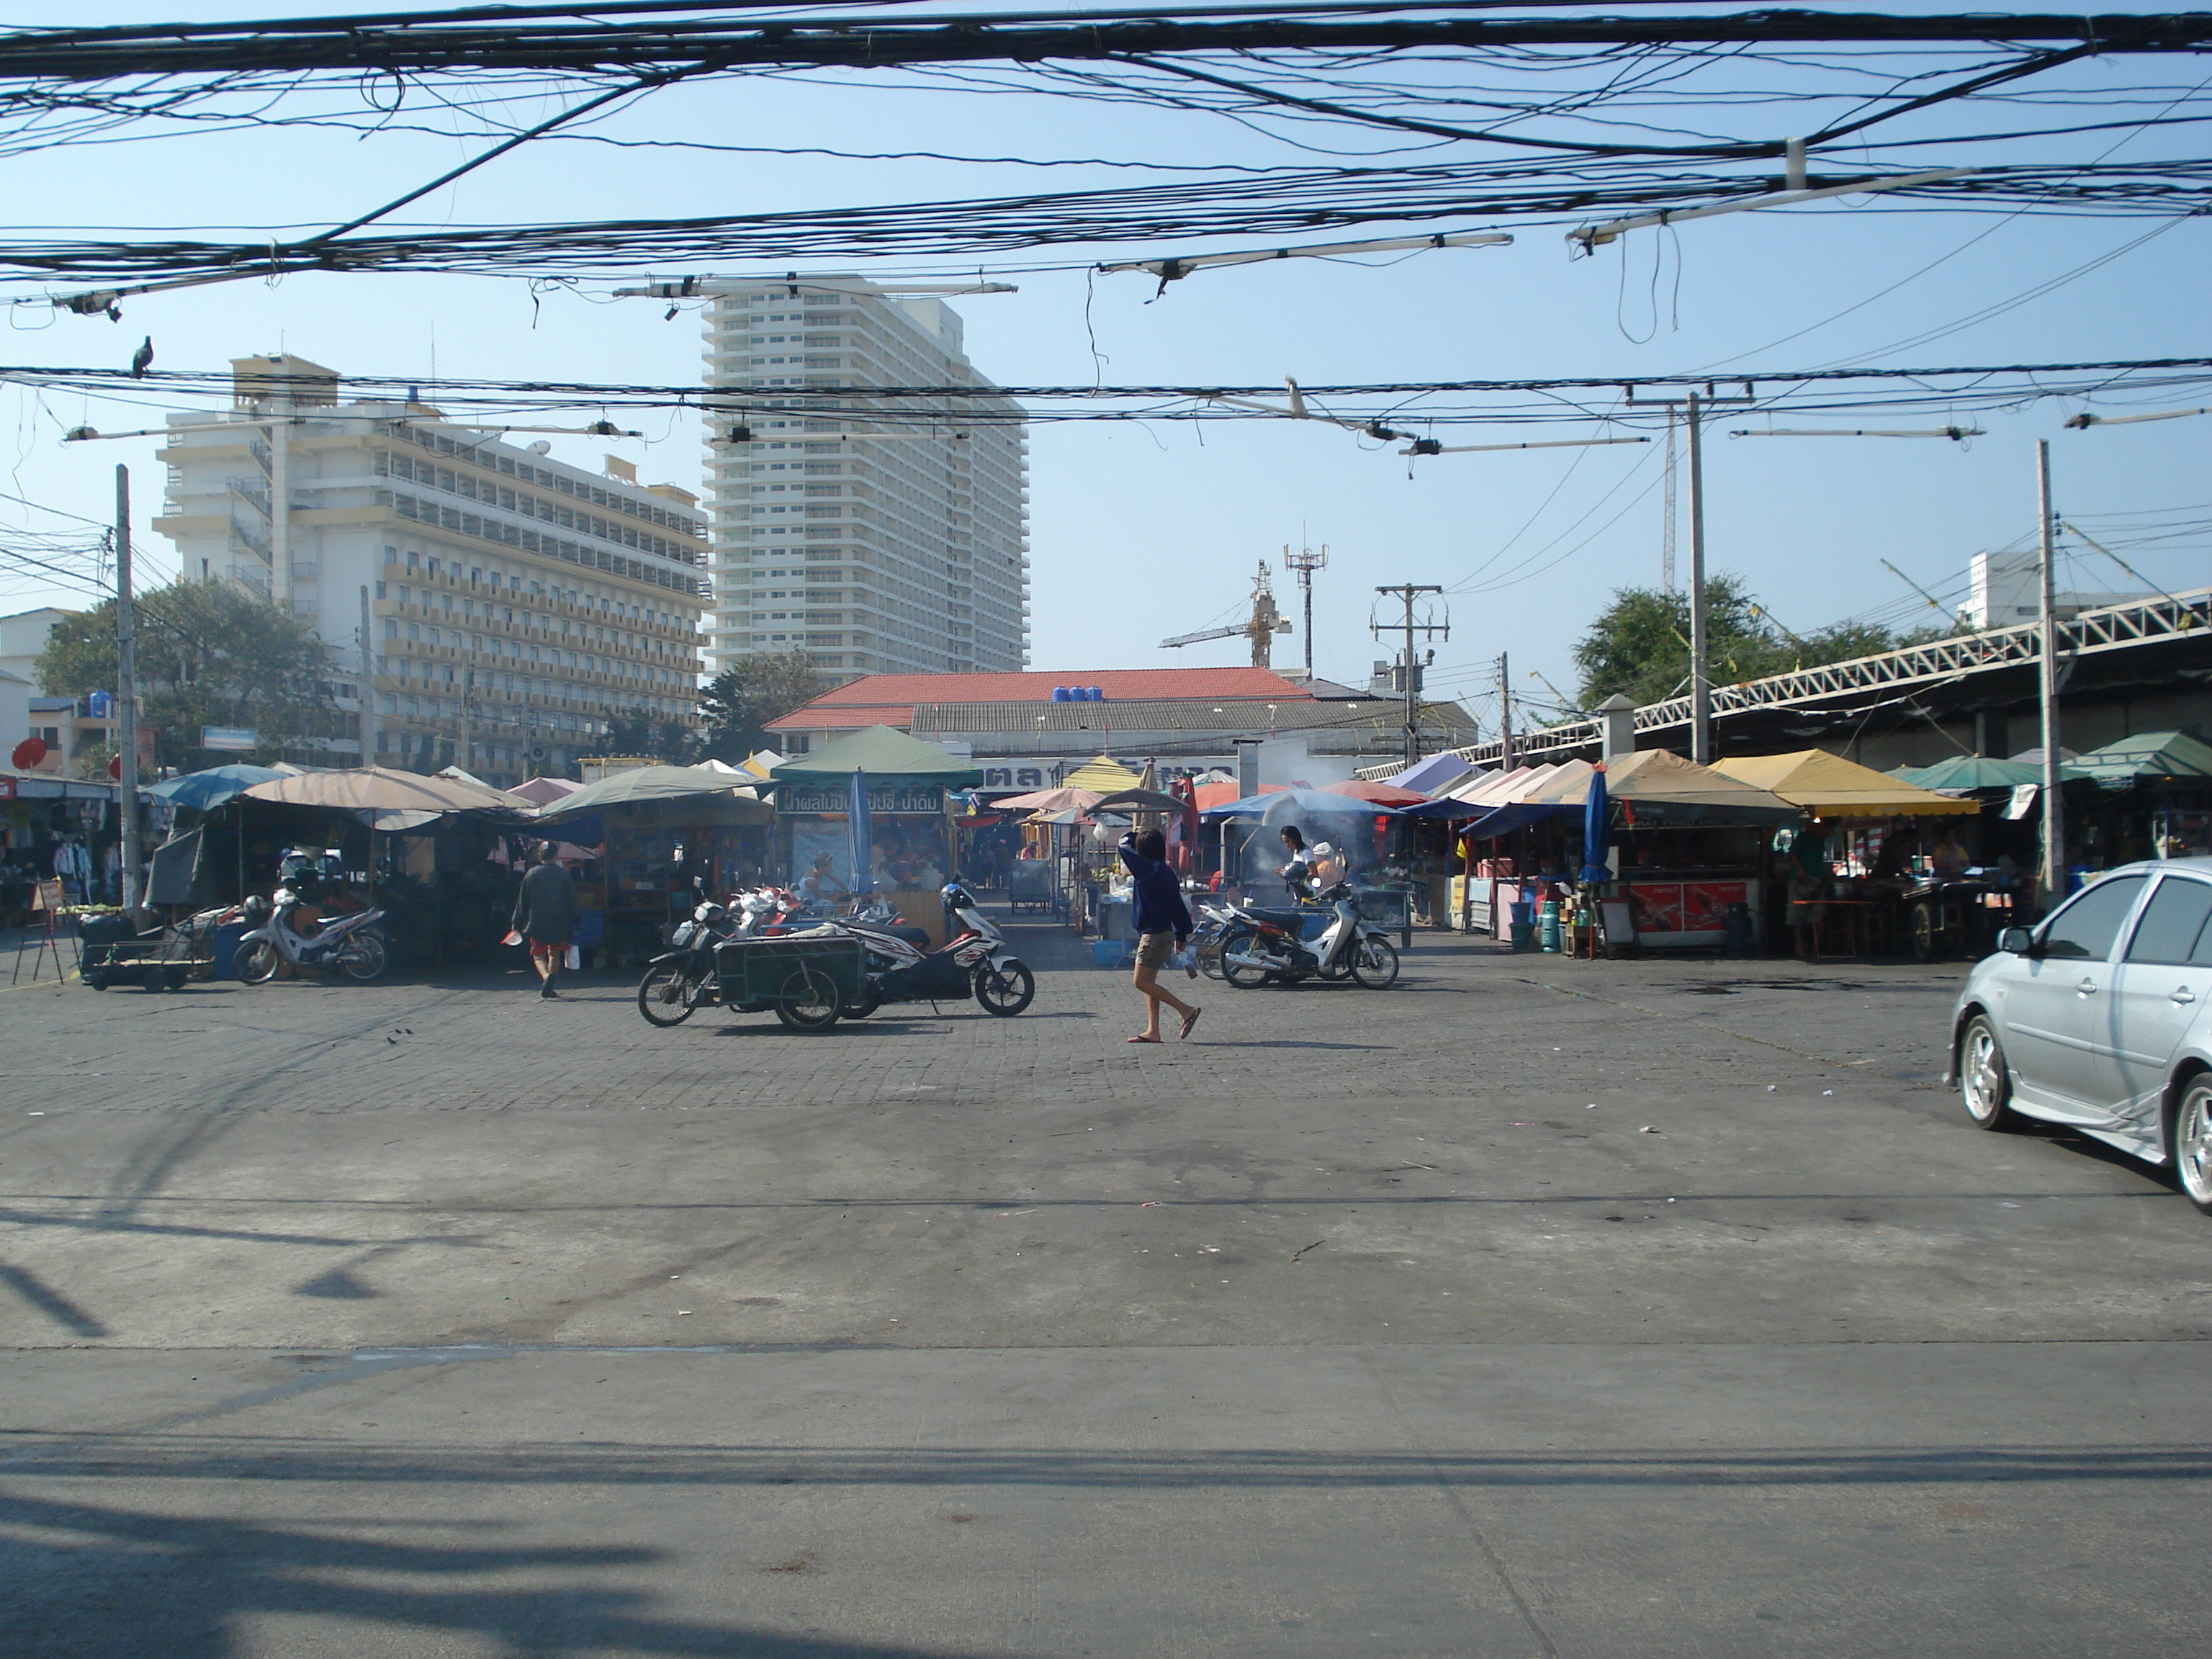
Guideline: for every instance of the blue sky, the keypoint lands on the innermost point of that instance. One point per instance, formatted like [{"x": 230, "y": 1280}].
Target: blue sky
[{"x": 1141, "y": 531}]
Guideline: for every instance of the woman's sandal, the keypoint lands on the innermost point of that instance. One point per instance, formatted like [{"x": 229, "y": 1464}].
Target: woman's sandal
[
  {"x": 1145, "y": 1039},
  {"x": 1191, "y": 1020}
]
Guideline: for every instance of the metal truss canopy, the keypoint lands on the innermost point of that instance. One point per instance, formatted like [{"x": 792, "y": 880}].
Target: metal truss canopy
[{"x": 1865, "y": 683}]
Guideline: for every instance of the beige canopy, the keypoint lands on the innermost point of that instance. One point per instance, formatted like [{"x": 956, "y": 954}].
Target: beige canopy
[{"x": 372, "y": 789}]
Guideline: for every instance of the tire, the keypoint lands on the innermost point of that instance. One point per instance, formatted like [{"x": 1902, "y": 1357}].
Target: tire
[
  {"x": 2189, "y": 1141},
  {"x": 664, "y": 996},
  {"x": 807, "y": 1001},
  {"x": 175, "y": 978},
  {"x": 97, "y": 979},
  {"x": 258, "y": 963},
  {"x": 1374, "y": 964},
  {"x": 362, "y": 959},
  {"x": 1209, "y": 959},
  {"x": 153, "y": 979},
  {"x": 1985, "y": 1082},
  {"x": 1923, "y": 932},
  {"x": 1007, "y": 992},
  {"x": 1240, "y": 974},
  {"x": 860, "y": 1010}
]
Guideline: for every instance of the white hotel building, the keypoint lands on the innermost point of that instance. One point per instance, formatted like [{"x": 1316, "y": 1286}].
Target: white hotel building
[
  {"x": 485, "y": 605},
  {"x": 878, "y": 538}
]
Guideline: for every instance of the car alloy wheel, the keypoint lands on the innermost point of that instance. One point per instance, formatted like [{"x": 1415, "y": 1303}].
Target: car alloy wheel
[
  {"x": 1985, "y": 1083},
  {"x": 2188, "y": 1140}
]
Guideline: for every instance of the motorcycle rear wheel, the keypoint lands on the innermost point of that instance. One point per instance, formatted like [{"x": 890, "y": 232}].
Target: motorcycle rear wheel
[
  {"x": 1243, "y": 975},
  {"x": 362, "y": 959},
  {"x": 1006, "y": 993},
  {"x": 664, "y": 997},
  {"x": 1374, "y": 964},
  {"x": 860, "y": 1010},
  {"x": 258, "y": 963}
]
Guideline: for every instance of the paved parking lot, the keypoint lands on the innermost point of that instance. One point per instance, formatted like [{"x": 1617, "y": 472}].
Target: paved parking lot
[{"x": 1536, "y": 1307}]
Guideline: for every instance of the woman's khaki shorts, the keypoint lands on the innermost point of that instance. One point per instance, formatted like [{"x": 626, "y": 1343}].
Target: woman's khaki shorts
[{"x": 1154, "y": 950}]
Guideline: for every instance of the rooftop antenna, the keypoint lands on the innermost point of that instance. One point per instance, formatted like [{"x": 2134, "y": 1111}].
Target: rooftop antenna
[{"x": 1305, "y": 562}]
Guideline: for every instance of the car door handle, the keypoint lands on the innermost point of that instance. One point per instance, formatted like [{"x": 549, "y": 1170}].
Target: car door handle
[
  {"x": 2183, "y": 994},
  {"x": 2088, "y": 988}
]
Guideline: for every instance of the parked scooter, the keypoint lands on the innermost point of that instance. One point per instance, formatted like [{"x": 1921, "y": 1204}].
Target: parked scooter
[
  {"x": 290, "y": 931},
  {"x": 684, "y": 978},
  {"x": 975, "y": 963},
  {"x": 1255, "y": 950}
]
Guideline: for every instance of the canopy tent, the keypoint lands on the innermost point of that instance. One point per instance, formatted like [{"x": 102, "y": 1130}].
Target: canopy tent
[
  {"x": 1500, "y": 787},
  {"x": 1962, "y": 775},
  {"x": 206, "y": 790},
  {"x": 2148, "y": 757},
  {"x": 1433, "y": 773},
  {"x": 544, "y": 791},
  {"x": 1286, "y": 805},
  {"x": 1659, "y": 785},
  {"x": 642, "y": 784},
  {"x": 1830, "y": 786},
  {"x": 1378, "y": 794},
  {"x": 1047, "y": 800},
  {"x": 1104, "y": 774},
  {"x": 374, "y": 789},
  {"x": 883, "y": 753},
  {"x": 1545, "y": 792},
  {"x": 1137, "y": 801}
]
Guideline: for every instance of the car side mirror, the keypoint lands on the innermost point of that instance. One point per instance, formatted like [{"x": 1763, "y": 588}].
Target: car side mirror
[{"x": 2016, "y": 942}]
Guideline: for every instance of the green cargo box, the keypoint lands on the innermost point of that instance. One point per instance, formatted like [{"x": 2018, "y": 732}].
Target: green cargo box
[{"x": 780, "y": 969}]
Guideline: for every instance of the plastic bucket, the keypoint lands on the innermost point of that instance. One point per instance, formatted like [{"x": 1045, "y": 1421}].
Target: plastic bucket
[
  {"x": 1524, "y": 935},
  {"x": 226, "y": 948}
]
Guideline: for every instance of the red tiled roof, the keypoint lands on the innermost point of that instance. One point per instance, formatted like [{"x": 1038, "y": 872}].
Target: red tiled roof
[{"x": 889, "y": 699}]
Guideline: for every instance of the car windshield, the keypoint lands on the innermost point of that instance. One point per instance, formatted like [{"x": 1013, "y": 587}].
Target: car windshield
[{"x": 2085, "y": 929}]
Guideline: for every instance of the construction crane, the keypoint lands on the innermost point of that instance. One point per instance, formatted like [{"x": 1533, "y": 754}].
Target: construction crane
[{"x": 1261, "y": 628}]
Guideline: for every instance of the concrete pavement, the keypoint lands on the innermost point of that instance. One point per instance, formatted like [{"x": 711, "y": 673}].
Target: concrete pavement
[{"x": 1537, "y": 1307}]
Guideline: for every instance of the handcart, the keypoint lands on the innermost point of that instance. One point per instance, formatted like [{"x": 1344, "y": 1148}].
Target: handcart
[
  {"x": 806, "y": 978},
  {"x": 161, "y": 959},
  {"x": 1029, "y": 883}
]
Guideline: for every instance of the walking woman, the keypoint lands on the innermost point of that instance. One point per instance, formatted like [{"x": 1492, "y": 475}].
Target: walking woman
[{"x": 1163, "y": 923}]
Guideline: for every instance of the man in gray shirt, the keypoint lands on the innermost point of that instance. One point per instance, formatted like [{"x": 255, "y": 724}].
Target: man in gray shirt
[{"x": 545, "y": 914}]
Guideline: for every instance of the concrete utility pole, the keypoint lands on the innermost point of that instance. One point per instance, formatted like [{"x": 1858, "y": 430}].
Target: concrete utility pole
[
  {"x": 1411, "y": 670},
  {"x": 1504, "y": 712},
  {"x": 368, "y": 683},
  {"x": 2054, "y": 811},
  {"x": 1693, "y": 407},
  {"x": 126, "y": 687}
]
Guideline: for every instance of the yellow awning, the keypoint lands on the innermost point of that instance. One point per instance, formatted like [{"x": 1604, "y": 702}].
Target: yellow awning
[
  {"x": 1104, "y": 774},
  {"x": 1834, "y": 787}
]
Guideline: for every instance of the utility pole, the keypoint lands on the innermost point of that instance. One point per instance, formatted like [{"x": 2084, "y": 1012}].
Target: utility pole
[
  {"x": 1505, "y": 712},
  {"x": 1672, "y": 515},
  {"x": 1701, "y": 668},
  {"x": 126, "y": 687},
  {"x": 2054, "y": 824},
  {"x": 1410, "y": 669},
  {"x": 367, "y": 684},
  {"x": 1305, "y": 562}
]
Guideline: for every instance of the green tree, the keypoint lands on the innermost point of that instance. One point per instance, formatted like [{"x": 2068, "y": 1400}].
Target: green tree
[
  {"x": 742, "y": 701},
  {"x": 210, "y": 654},
  {"x": 642, "y": 731},
  {"x": 1639, "y": 645}
]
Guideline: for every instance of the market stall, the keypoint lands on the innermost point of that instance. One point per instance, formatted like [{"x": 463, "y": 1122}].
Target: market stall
[
  {"x": 910, "y": 844},
  {"x": 665, "y": 835},
  {"x": 2157, "y": 790},
  {"x": 1855, "y": 866}
]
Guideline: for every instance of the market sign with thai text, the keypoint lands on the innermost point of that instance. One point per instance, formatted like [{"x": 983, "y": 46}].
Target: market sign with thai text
[{"x": 882, "y": 798}]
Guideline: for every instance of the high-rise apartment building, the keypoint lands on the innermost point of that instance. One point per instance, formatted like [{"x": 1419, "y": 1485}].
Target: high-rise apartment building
[
  {"x": 484, "y": 603},
  {"x": 878, "y": 536}
]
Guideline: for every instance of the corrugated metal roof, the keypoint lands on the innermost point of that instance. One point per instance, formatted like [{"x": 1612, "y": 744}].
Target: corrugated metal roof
[
  {"x": 887, "y": 697},
  {"x": 1240, "y": 718}
]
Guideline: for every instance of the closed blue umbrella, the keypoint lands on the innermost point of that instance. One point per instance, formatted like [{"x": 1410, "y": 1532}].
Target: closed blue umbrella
[
  {"x": 863, "y": 848},
  {"x": 1595, "y": 827}
]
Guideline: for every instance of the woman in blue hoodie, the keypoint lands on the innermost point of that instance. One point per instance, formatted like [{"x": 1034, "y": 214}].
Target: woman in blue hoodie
[{"x": 1163, "y": 923}]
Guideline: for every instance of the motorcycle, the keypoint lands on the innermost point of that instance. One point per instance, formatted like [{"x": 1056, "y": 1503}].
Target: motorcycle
[
  {"x": 288, "y": 930},
  {"x": 1952, "y": 914},
  {"x": 684, "y": 978},
  {"x": 975, "y": 963},
  {"x": 1255, "y": 950}
]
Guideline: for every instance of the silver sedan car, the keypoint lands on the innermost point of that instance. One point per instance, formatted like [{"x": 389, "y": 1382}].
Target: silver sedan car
[{"x": 2101, "y": 1019}]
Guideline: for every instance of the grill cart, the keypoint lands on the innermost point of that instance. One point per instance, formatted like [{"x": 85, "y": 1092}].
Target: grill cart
[{"x": 805, "y": 977}]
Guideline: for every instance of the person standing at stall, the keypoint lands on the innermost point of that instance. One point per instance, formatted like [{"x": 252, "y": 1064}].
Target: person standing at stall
[
  {"x": 1163, "y": 924},
  {"x": 545, "y": 914}
]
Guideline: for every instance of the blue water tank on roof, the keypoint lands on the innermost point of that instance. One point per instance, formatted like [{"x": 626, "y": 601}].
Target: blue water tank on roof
[
  {"x": 1059, "y": 694},
  {"x": 1095, "y": 694}
]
